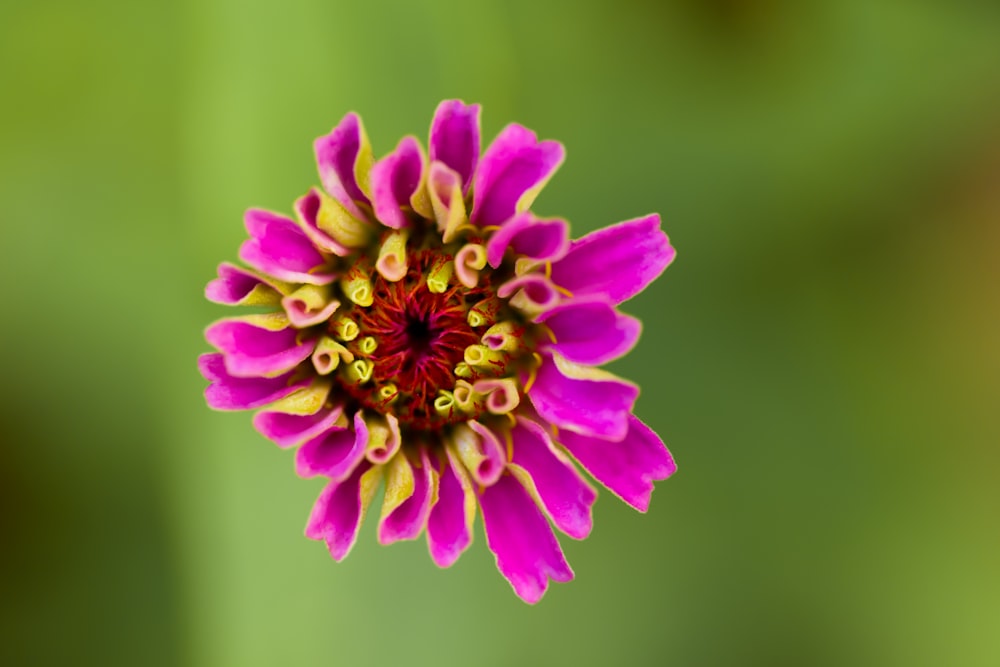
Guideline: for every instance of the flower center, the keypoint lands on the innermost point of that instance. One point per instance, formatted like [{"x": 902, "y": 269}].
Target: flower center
[{"x": 414, "y": 339}]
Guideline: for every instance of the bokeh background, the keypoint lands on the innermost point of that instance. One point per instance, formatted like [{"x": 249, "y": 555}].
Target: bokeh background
[{"x": 822, "y": 358}]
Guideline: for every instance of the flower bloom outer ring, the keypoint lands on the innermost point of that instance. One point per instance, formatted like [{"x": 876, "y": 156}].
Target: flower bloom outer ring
[{"x": 425, "y": 329}]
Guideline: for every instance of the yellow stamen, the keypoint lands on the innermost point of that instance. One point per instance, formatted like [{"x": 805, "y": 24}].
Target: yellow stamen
[
  {"x": 345, "y": 328},
  {"x": 563, "y": 291},
  {"x": 483, "y": 357},
  {"x": 388, "y": 393},
  {"x": 368, "y": 344},
  {"x": 439, "y": 276},
  {"x": 533, "y": 372},
  {"x": 510, "y": 442},
  {"x": 444, "y": 404},
  {"x": 360, "y": 371},
  {"x": 357, "y": 286}
]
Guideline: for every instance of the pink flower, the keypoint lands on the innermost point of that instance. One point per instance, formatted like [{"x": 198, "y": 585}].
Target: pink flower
[{"x": 429, "y": 332}]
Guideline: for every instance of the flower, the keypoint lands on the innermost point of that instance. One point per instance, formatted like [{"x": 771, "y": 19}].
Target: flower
[{"x": 428, "y": 331}]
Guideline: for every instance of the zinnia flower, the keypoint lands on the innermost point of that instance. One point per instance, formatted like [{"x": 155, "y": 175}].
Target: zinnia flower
[{"x": 428, "y": 331}]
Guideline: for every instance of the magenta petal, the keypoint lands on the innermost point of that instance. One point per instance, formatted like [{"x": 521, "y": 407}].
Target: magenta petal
[
  {"x": 628, "y": 468},
  {"x": 449, "y": 526},
  {"x": 227, "y": 392},
  {"x": 334, "y": 453},
  {"x": 407, "y": 521},
  {"x": 336, "y": 154},
  {"x": 235, "y": 285},
  {"x": 516, "y": 164},
  {"x": 286, "y": 430},
  {"x": 257, "y": 351},
  {"x": 527, "y": 551},
  {"x": 590, "y": 332},
  {"x": 394, "y": 179},
  {"x": 454, "y": 138},
  {"x": 535, "y": 288},
  {"x": 494, "y": 458},
  {"x": 566, "y": 496},
  {"x": 616, "y": 262},
  {"x": 307, "y": 211},
  {"x": 279, "y": 248},
  {"x": 589, "y": 402},
  {"x": 337, "y": 514},
  {"x": 543, "y": 240}
]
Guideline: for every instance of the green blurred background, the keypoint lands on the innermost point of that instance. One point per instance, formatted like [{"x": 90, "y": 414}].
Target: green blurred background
[{"x": 822, "y": 358}]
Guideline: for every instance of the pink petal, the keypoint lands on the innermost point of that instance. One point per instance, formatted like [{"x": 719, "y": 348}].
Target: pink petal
[
  {"x": 590, "y": 332},
  {"x": 565, "y": 494},
  {"x": 494, "y": 457},
  {"x": 527, "y": 551},
  {"x": 287, "y": 430},
  {"x": 449, "y": 526},
  {"x": 256, "y": 350},
  {"x": 616, "y": 262},
  {"x": 238, "y": 286},
  {"x": 543, "y": 240},
  {"x": 279, "y": 248},
  {"x": 335, "y": 453},
  {"x": 588, "y": 402},
  {"x": 454, "y": 138},
  {"x": 227, "y": 392},
  {"x": 336, "y": 155},
  {"x": 307, "y": 211},
  {"x": 395, "y": 179},
  {"x": 628, "y": 468},
  {"x": 536, "y": 289},
  {"x": 406, "y": 521},
  {"x": 512, "y": 171},
  {"x": 340, "y": 509}
]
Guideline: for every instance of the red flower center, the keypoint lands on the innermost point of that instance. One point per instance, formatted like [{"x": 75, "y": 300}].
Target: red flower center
[{"x": 420, "y": 337}]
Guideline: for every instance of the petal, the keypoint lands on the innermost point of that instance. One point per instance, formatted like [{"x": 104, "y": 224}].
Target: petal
[
  {"x": 543, "y": 240},
  {"x": 334, "y": 453},
  {"x": 527, "y": 551},
  {"x": 532, "y": 293},
  {"x": 590, "y": 332},
  {"x": 585, "y": 400},
  {"x": 287, "y": 430},
  {"x": 512, "y": 172},
  {"x": 628, "y": 468},
  {"x": 279, "y": 248},
  {"x": 254, "y": 346},
  {"x": 239, "y": 286},
  {"x": 444, "y": 187},
  {"x": 307, "y": 208},
  {"x": 616, "y": 262},
  {"x": 479, "y": 450},
  {"x": 395, "y": 179},
  {"x": 345, "y": 158},
  {"x": 310, "y": 305},
  {"x": 340, "y": 509},
  {"x": 383, "y": 438},
  {"x": 454, "y": 138},
  {"x": 563, "y": 492},
  {"x": 449, "y": 526},
  {"x": 406, "y": 520},
  {"x": 227, "y": 392}
]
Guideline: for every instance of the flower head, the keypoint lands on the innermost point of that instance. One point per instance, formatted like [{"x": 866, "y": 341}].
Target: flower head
[{"x": 428, "y": 332}]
